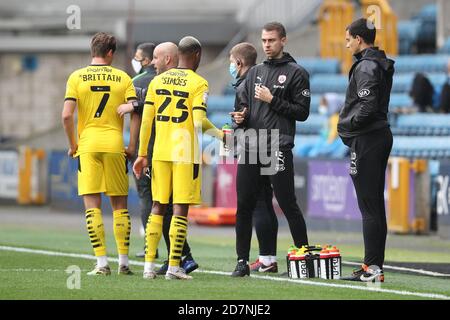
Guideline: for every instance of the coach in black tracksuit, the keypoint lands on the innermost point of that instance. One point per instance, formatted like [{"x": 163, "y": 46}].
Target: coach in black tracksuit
[
  {"x": 276, "y": 95},
  {"x": 363, "y": 126},
  {"x": 242, "y": 58}
]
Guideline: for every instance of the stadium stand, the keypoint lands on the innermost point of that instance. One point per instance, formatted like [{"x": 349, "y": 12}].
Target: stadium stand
[
  {"x": 445, "y": 49},
  {"x": 317, "y": 65},
  {"x": 313, "y": 125},
  {"x": 419, "y": 33},
  {"x": 411, "y": 131}
]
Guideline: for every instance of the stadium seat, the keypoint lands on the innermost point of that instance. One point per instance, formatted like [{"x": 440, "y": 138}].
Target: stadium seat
[
  {"x": 408, "y": 31},
  {"x": 445, "y": 49},
  {"x": 313, "y": 125},
  {"x": 426, "y": 63},
  {"x": 419, "y": 146},
  {"x": 301, "y": 140},
  {"x": 318, "y": 65},
  {"x": 323, "y": 83},
  {"x": 402, "y": 82},
  {"x": 219, "y": 119},
  {"x": 424, "y": 120},
  {"x": 399, "y": 100},
  {"x": 315, "y": 101},
  {"x": 220, "y": 103},
  {"x": 427, "y": 17}
]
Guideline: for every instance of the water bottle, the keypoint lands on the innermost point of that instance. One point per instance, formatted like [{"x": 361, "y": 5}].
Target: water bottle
[
  {"x": 336, "y": 263},
  {"x": 325, "y": 264},
  {"x": 225, "y": 151}
]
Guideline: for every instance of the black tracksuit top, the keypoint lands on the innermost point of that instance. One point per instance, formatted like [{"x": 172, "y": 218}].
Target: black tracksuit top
[
  {"x": 289, "y": 84},
  {"x": 368, "y": 93}
]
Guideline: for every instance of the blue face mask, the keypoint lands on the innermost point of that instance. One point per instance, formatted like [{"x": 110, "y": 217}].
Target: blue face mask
[{"x": 233, "y": 70}]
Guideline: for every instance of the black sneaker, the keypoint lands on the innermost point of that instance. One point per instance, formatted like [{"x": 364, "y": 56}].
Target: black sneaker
[
  {"x": 366, "y": 274},
  {"x": 242, "y": 269},
  {"x": 189, "y": 264},
  {"x": 163, "y": 269}
]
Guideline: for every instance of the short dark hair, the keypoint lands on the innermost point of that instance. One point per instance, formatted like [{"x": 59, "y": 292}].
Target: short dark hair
[
  {"x": 363, "y": 28},
  {"x": 246, "y": 52},
  {"x": 275, "y": 26},
  {"x": 101, "y": 43},
  {"x": 189, "y": 45},
  {"x": 147, "y": 49}
]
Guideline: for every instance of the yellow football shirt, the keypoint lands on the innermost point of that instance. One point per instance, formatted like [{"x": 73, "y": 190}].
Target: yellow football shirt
[
  {"x": 176, "y": 100},
  {"x": 98, "y": 91}
]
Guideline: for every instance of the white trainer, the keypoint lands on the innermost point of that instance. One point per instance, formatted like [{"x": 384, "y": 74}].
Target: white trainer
[
  {"x": 149, "y": 275},
  {"x": 98, "y": 271},
  {"x": 179, "y": 274}
]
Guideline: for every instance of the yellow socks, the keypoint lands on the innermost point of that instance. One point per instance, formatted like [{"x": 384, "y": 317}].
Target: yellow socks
[
  {"x": 122, "y": 228},
  {"x": 177, "y": 234},
  {"x": 153, "y": 234},
  {"x": 96, "y": 231}
]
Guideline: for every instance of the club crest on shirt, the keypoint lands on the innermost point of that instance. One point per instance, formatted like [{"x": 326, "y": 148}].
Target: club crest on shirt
[
  {"x": 282, "y": 79},
  {"x": 363, "y": 93}
]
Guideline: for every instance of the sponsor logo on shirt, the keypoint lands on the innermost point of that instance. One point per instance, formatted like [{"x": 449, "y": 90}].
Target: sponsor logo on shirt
[
  {"x": 363, "y": 93},
  {"x": 306, "y": 93}
]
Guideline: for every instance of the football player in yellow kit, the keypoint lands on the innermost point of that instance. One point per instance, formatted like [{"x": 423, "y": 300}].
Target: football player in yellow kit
[
  {"x": 96, "y": 91},
  {"x": 177, "y": 101}
]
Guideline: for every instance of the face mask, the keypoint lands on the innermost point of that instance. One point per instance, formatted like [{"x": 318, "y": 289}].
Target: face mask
[
  {"x": 323, "y": 109},
  {"x": 233, "y": 70},
  {"x": 136, "y": 66}
]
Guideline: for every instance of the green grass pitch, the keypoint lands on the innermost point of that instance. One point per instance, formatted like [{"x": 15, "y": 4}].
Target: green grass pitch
[{"x": 35, "y": 276}]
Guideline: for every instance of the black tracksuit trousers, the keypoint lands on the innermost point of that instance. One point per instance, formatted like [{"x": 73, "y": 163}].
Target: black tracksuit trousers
[
  {"x": 265, "y": 220},
  {"x": 369, "y": 158},
  {"x": 248, "y": 186}
]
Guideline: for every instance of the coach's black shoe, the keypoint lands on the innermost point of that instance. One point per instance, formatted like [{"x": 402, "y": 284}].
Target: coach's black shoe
[
  {"x": 162, "y": 271},
  {"x": 242, "y": 269},
  {"x": 366, "y": 274}
]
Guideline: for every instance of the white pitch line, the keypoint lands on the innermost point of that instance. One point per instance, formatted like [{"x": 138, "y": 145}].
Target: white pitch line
[
  {"x": 301, "y": 282},
  {"x": 420, "y": 271}
]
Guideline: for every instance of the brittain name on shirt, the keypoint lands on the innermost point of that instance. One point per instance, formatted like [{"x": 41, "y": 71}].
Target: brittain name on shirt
[{"x": 101, "y": 77}]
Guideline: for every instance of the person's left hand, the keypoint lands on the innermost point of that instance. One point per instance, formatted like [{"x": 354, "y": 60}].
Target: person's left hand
[
  {"x": 124, "y": 109},
  {"x": 72, "y": 151},
  {"x": 239, "y": 116},
  {"x": 130, "y": 152},
  {"x": 263, "y": 93}
]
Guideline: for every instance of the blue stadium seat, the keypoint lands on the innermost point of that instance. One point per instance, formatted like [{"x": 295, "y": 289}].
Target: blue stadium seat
[
  {"x": 427, "y": 16},
  {"x": 408, "y": 32},
  {"x": 402, "y": 82},
  {"x": 313, "y": 125},
  {"x": 323, "y": 83},
  {"x": 428, "y": 63},
  {"x": 445, "y": 49},
  {"x": 315, "y": 101},
  {"x": 220, "y": 103},
  {"x": 318, "y": 65},
  {"x": 301, "y": 140},
  {"x": 219, "y": 119},
  {"x": 399, "y": 100},
  {"x": 418, "y": 146},
  {"x": 424, "y": 120}
]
